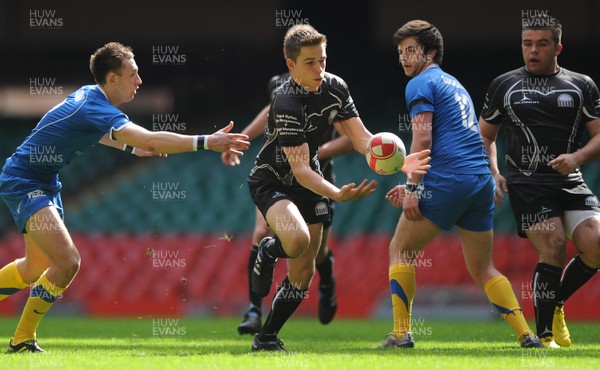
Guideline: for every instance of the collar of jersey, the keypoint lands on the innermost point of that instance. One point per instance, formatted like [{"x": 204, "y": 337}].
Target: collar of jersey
[{"x": 102, "y": 91}]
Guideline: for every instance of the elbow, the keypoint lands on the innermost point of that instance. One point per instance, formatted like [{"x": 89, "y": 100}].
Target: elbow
[
  {"x": 301, "y": 175},
  {"x": 151, "y": 144},
  {"x": 423, "y": 143}
]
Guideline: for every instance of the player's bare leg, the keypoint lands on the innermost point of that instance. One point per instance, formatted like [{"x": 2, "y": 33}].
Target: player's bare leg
[
  {"x": 409, "y": 239},
  {"x": 18, "y": 274},
  {"x": 291, "y": 240},
  {"x": 47, "y": 233},
  {"x": 478, "y": 253},
  {"x": 301, "y": 264}
]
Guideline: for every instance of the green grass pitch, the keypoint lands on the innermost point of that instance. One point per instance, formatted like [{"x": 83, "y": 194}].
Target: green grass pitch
[{"x": 213, "y": 343}]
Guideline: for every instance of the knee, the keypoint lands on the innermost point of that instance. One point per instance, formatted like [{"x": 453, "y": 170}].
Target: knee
[
  {"x": 260, "y": 231},
  {"x": 297, "y": 244},
  {"x": 70, "y": 263},
  {"x": 590, "y": 253},
  {"x": 554, "y": 250}
]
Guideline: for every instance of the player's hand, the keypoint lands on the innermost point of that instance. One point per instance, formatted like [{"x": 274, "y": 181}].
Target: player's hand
[
  {"x": 416, "y": 163},
  {"x": 352, "y": 192},
  {"x": 229, "y": 159},
  {"x": 501, "y": 188},
  {"x": 145, "y": 153},
  {"x": 223, "y": 141},
  {"x": 411, "y": 206},
  {"x": 396, "y": 196},
  {"x": 564, "y": 163}
]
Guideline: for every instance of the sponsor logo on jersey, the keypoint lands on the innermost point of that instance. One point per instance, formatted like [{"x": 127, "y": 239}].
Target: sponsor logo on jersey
[
  {"x": 35, "y": 194},
  {"x": 526, "y": 100},
  {"x": 278, "y": 195}
]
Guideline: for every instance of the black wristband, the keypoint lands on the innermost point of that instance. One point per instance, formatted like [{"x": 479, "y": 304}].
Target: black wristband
[
  {"x": 128, "y": 149},
  {"x": 411, "y": 188},
  {"x": 200, "y": 142}
]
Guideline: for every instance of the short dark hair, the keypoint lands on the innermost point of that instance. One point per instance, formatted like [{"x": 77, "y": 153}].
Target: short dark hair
[
  {"x": 426, "y": 34},
  {"x": 544, "y": 22},
  {"x": 108, "y": 58},
  {"x": 301, "y": 35}
]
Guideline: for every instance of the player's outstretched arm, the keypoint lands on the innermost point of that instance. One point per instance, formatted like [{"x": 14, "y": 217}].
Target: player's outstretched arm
[
  {"x": 350, "y": 191},
  {"x": 169, "y": 142},
  {"x": 358, "y": 134},
  {"x": 126, "y": 148},
  {"x": 396, "y": 195},
  {"x": 224, "y": 141},
  {"x": 298, "y": 158},
  {"x": 338, "y": 146},
  {"x": 416, "y": 164}
]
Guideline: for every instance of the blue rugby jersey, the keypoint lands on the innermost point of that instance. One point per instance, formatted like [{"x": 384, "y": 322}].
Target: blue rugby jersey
[
  {"x": 456, "y": 146},
  {"x": 67, "y": 130}
]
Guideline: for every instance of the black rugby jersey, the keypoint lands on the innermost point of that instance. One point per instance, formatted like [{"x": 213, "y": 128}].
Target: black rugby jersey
[
  {"x": 325, "y": 164},
  {"x": 296, "y": 117},
  {"x": 543, "y": 117}
]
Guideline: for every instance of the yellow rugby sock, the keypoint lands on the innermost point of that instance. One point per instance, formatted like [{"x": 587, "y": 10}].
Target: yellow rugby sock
[
  {"x": 43, "y": 294},
  {"x": 11, "y": 280},
  {"x": 501, "y": 295},
  {"x": 402, "y": 288}
]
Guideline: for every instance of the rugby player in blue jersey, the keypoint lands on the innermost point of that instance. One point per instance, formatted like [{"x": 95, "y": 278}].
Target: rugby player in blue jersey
[
  {"x": 29, "y": 182},
  {"x": 457, "y": 190}
]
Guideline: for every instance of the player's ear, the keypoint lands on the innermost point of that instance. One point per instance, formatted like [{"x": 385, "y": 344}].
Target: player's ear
[
  {"x": 558, "y": 49},
  {"x": 111, "y": 77},
  {"x": 290, "y": 63},
  {"x": 431, "y": 55}
]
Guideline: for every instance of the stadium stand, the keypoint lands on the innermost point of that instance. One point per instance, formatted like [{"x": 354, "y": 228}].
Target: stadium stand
[{"x": 170, "y": 236}]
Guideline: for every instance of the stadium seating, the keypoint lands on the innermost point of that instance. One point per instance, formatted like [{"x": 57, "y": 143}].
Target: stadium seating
[
  {"x": 118, "y": 219},
  {"x": 206, "y": 274}
]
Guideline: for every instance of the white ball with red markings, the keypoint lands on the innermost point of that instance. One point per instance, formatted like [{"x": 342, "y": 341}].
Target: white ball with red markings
[{"x": 385, "y": 153}]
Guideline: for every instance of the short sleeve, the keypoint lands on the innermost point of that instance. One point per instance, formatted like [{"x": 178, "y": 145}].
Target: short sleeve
[
  {"x": 288, "y": 116},
  {"x": 348, "y": 109},
  {"x": 493, "y": 110},
  {"x": 591, "y": 103},
  {"x": 106, "y": 118},
  {"x": 419, "y": 96}
]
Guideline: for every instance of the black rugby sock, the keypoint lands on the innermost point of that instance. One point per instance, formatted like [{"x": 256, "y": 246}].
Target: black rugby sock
[
  {"x": 576, "y": 274},
  {"x": 325, "y": 269},
  {"x": 275, "y": 250},
  {"x": 286, "y": 301},
  {"x": 546, "y": 281},
  {"x": 255, "y": 299}
]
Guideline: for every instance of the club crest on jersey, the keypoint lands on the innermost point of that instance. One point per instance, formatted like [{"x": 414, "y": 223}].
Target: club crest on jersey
[
  {"x": 591, "y": 201},
  {"x": 321, "y": 209},
  {"x": 565, "y": 101}
]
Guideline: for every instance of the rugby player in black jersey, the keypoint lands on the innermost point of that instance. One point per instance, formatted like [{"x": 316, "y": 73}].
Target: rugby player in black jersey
[
  {"x": 544, "y": 109},
  {"x": 286, "y": 182},
  {"x": 331, "y": 146}
]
